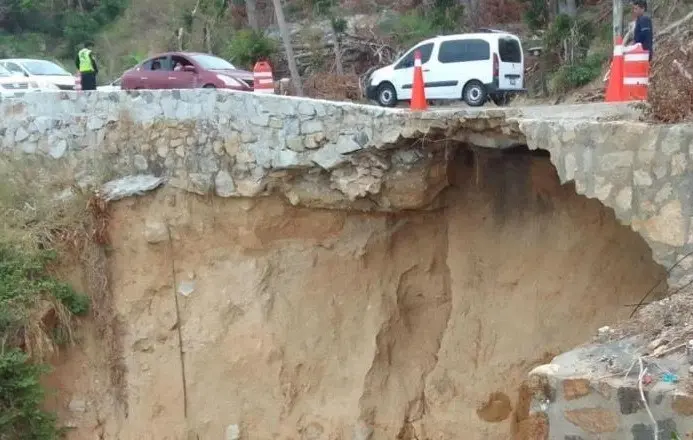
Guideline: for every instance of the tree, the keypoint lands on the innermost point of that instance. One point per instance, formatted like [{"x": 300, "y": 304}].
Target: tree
[
  {"x": 209, "y": 13},
  {"x": 286, "y": 38},
  {"x": 338, "y": 28},
  {"x": 251, "y": 11},
  {"x": 328, "y": 9}
]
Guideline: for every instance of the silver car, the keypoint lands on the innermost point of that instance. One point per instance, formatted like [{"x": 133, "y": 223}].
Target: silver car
[
  {"x": 12, "y": 86},
  {"x": 47, "y": 75}
]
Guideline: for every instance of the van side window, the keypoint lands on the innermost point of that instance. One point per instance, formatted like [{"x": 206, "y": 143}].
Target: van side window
[
  {"x": 408, "y": 60},
  {"x": 458, "y": 51},
  {"x": 509, "y": 50}
]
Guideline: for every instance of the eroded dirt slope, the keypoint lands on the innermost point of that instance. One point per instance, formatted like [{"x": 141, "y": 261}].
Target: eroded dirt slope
[{"x": 306, "y": 324}]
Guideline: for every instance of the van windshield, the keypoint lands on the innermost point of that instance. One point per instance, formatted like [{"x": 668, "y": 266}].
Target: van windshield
[
  {"x": 509, "y": 50},
  {"x": 408, "y": 60}
]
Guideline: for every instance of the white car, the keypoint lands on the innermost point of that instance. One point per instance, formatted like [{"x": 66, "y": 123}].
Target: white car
[
  {"x": 46, "y": 74},
  {"x": 112, "y": 87},
  {"x": 12, "y": 86},
  {"x": 471, "y": 67}
]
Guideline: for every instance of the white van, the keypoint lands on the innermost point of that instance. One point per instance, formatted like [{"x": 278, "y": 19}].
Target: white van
[{"x": 472, "y": 67}]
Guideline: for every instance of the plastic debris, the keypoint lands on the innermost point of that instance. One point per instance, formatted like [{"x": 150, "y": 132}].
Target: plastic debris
[{"x": 669, "y": 378}]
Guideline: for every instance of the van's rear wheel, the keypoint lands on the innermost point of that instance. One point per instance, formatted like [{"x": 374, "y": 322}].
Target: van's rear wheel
[
  {"x": 387, "y": 97},
  {"x": 502, "y": 99},
  {"x": 474, "y": 94}
]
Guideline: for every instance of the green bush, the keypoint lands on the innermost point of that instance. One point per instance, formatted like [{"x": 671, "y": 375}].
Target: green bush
[
  {"x": 408, "y": 29},
  {"x": 25, "y": 287},
  {"x": 577, "y": 33},
  {"x": 64, "y": 23},
  {"x": 24, "y": 282},
  {"x": 248, "y": 46},
  {"x": 571, "y": 76},
  {"x": 12, "y": 46},
  {"x": 21, "y": 397},
  {"x": 536, "y": 14}
]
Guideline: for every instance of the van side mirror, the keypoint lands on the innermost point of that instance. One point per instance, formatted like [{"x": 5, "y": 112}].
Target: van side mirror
[{"x": 189, "y": 68}]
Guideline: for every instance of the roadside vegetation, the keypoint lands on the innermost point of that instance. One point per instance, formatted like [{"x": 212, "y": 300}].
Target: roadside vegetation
[
  {"x": 333, "y": 43},
  {"x": 38, "y": 312}
]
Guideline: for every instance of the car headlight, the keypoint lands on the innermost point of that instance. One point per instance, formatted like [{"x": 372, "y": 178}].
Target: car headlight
[
  {"x": 43, "y": 85},
  {"x": 227, "y": 80}
]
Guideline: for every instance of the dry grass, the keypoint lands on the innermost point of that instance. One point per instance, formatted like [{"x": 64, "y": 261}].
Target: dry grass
[
  {"x": 664, "y": 326},
  {"x": 34, "y": 214},
  {"x": 49, "y": 324},
  {"x": 34, "y": 219},
  {"x": 333, "y": 87},
  {"x": 49, "y": 211},
  {"x": 670, "y": 94}
]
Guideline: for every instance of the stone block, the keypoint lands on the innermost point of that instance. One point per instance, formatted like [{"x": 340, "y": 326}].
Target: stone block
[
  {"x": 669, "y": 226},
  {"x": 233, "y": 432},
  {"x": 224, "y": 185},
  {"x": 575, "y": 388},
  {"x": 643, "y": 431},
  {"x": 682, "y": 405},
  {"x": 629, "y": 400},
  {"x": 593, "y": 420},
  {"x": 77, "y": 405}
]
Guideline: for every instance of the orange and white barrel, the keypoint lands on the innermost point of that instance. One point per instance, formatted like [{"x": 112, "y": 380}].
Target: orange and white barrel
[
  {"x": 263, "y": 81},
  {"x": 636, "y": 73},
  {"x": 78, "y": 82}
]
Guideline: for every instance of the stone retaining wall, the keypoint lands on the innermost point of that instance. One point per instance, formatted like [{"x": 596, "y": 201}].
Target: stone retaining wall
[
  {"x": 643, "y": 171},
  {"x": 347, "y": 156},
  {"x": 592, "y": 393}
]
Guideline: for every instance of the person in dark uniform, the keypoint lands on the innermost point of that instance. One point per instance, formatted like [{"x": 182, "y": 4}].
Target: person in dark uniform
[
  {"x": 86, "y": 64},
  {"x": 643, "y": 26}
]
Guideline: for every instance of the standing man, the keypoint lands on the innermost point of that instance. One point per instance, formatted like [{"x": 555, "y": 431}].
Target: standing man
[
  {"x": 86, "y": 64},
  {"x": 643, "y": 26}
]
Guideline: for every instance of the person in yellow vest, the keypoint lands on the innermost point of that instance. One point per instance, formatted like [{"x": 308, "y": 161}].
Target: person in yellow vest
[{"x": 86, "y": 64}]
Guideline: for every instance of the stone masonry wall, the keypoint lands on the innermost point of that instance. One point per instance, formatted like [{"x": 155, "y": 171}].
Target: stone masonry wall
[
  {"x": 643, "y": 171},
  {"x": 347, "y": 156},
  {"x": 593, "y": 393},
  {"x": 316, "y": 153}
]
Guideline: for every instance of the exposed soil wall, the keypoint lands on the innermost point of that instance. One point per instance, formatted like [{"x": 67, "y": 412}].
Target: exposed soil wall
[{"x": 306, "y": 324}]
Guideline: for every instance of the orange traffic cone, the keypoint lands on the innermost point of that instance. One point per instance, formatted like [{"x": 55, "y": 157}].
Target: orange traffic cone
[
  {"x": 614, "y": 88},
  {"x": 418, "y": 94}
]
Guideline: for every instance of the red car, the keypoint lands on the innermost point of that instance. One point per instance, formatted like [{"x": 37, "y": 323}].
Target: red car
[{"x": 186, "y": 70}]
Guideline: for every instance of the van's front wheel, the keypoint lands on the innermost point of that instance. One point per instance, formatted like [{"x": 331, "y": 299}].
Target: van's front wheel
[
  {"x": 387, "y": 97},
  {"x": 474, "y": 94}
]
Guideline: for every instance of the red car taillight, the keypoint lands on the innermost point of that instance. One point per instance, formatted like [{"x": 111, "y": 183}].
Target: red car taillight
[{"x": 495, "y": 66}]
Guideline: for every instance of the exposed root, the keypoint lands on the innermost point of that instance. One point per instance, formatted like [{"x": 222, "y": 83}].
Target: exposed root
[
  {"x": 50, "y": 324},
  {"x": 109, "y": 326}
]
